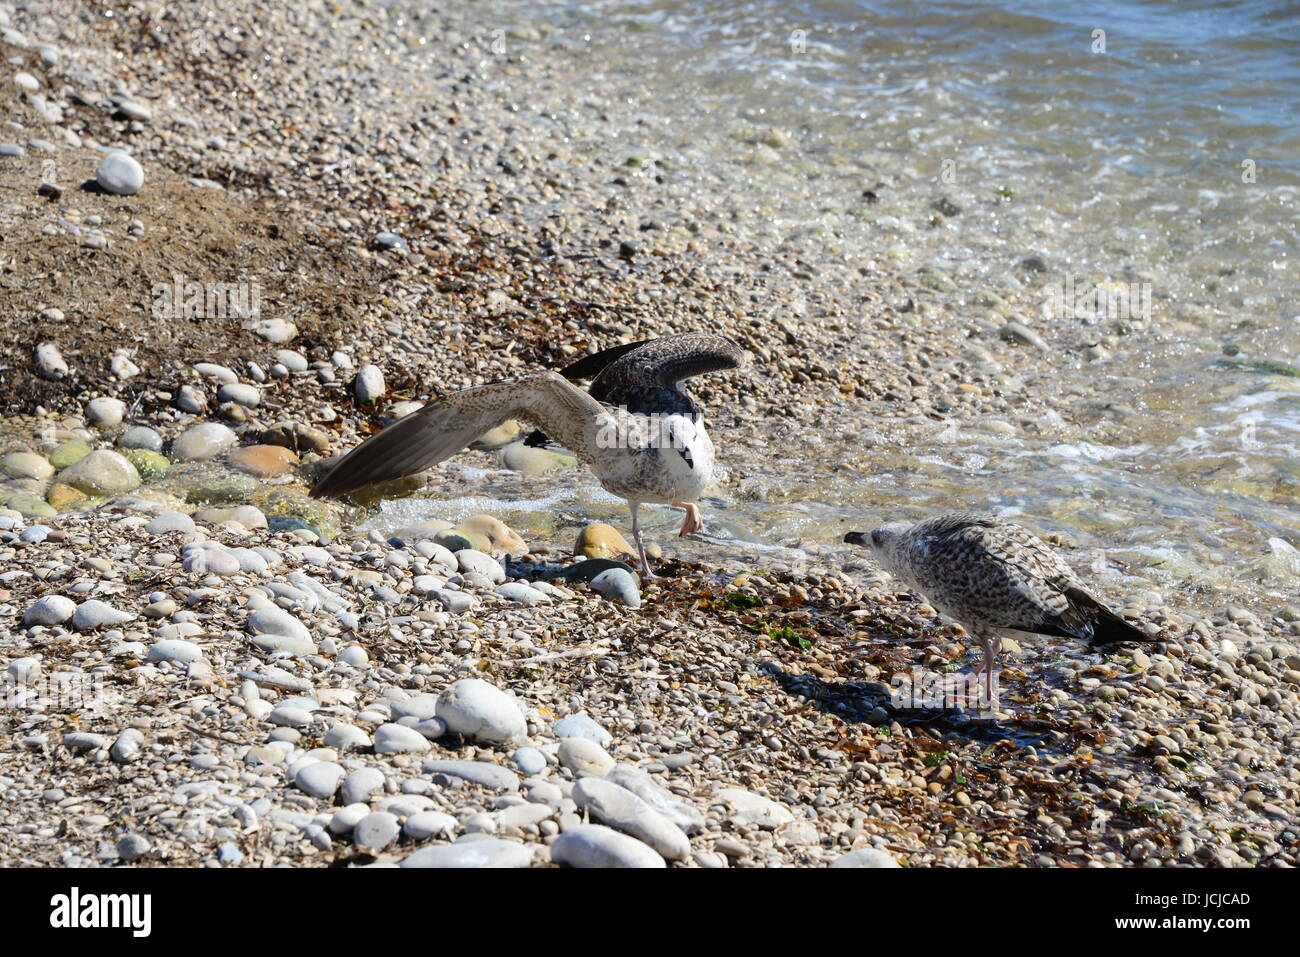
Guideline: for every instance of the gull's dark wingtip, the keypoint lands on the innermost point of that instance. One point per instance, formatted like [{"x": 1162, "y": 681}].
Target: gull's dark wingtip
[
  {"x": 331, "y": 485},
  {"x": 1108, "y": 628},
  {"x": 588, "y": 367}
]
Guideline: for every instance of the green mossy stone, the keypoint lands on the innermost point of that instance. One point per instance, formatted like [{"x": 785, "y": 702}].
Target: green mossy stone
[
  {"x": 30, "y": 506},
  {"x": 69, "y": 453},
  {"x": 149, "y": 464}
]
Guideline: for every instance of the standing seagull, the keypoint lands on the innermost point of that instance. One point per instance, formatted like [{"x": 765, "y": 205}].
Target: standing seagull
[
  {"x": 637, "y": 431},
  {"x": 994, "y": 577}
]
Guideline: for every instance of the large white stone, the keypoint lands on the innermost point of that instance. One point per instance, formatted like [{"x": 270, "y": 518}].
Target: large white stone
[
  {"x": 369, "y": 385},
  {"x": 640, "y": 783},
  {"x": 469, "y": 560},
  {"x": 594, "y": 845},
  {"x": 101, "y": 472},
  {"x": 360, "y": 784},
  {"x": 754, "y": 808},
  {"x": 865, "y": 857},
  {"x": 95, "y": 614},
  {"x": 273, "y": 620},
  {"x": 50, "y": 610},
  {"x": 584, "y": 758},
  {"x": 320, "y": 779},
  {"x": 203, "y": 441},
  {"x": 477, "y": 710},
  {"x": 427, "y": 824},
  {"x": 105, "y": 411},
  {"x": 624, "y": 811},
  {"x": 484, "y": 852},
  {"x": 175, "y": 649},
  {"x": 376, "y": 831},
  {"x": 399, "y": 739},
  {"x": 170, "y": 522}
]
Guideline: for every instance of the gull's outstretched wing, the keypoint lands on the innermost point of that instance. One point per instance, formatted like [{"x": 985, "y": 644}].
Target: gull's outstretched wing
[
  {"x": 588, "y": 367},
  {"x": 662, "y": 363},
  {"x": 642, "y": 377},
  {"x": 445, "y": 426}
]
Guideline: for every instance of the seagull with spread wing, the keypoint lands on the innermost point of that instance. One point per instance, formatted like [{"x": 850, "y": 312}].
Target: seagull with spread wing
[{"x": 636, "y": 429}]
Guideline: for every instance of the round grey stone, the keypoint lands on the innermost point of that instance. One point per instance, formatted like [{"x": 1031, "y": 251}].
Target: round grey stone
[
  {"x": 141, "y": 437},
  {"x": 529, "y": 760},
  {"x": 132, "y": 847},
  {"x": 376, "y": 831},
  {"x": 120, "y": 174},
  {"x": 249, "y": 396}
]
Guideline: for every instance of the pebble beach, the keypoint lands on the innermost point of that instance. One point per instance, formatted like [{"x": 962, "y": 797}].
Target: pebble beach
[{"x": 240, "y": 238}]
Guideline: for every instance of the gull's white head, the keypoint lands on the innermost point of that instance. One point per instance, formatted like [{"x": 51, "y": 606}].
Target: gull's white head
[
  {"x": 886, "y": 543},
  {"x": 682, "y": 438}
]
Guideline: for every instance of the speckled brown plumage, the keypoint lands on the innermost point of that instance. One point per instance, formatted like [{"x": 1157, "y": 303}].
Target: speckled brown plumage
[{"x": 993, "y": 577}]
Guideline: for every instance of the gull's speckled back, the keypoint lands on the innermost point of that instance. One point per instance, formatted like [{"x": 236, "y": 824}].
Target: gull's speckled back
[{"x": 991, "y": 574}]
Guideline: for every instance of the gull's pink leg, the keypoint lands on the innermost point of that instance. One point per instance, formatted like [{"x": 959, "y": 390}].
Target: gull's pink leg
[
  {"x": 692, "y": 522},
  {"x": 991, "y": 651},
  {"x": 978, "y": 671},
  {"x": 646, "y": 571}
]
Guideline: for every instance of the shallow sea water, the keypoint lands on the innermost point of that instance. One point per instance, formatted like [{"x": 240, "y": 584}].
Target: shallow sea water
[{"x": 1165, "y": 152}]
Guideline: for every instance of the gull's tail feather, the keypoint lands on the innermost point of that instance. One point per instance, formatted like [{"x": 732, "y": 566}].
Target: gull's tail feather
[{"x": 1107, "y": 628}]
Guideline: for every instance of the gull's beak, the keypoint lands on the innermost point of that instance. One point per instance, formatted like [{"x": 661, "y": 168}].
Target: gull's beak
[{"x": 859, "y": 538}]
